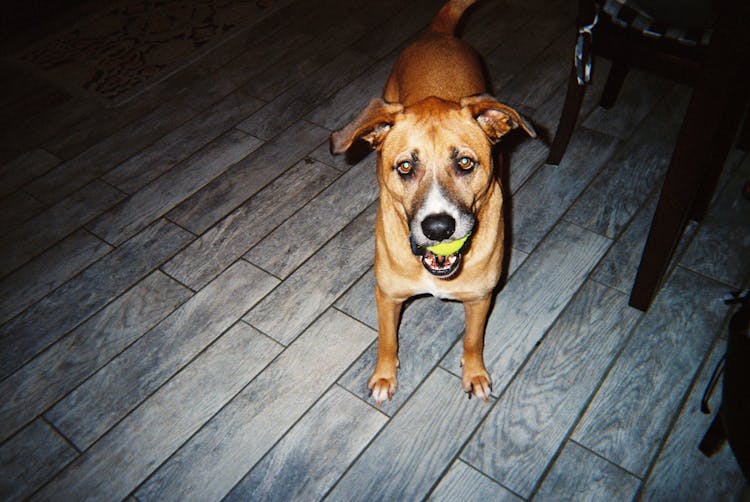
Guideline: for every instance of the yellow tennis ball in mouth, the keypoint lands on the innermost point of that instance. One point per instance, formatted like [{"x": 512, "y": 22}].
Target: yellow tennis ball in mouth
[{"x": 448, "y": 248}]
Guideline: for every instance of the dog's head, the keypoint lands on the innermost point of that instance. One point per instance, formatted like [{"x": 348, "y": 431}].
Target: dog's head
[{"x": 435, "y": 163}]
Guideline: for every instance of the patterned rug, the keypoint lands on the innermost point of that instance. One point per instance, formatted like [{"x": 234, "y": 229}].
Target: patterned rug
[{"x": 118, "y": 53}]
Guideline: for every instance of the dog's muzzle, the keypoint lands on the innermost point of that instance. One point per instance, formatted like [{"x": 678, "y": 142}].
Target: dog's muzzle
[{"x": 438, "y": 228}]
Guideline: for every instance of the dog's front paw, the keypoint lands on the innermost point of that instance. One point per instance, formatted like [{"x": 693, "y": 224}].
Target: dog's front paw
[
  {"x": 382, "y": 386},
  {"x": 477, "y": 381}
]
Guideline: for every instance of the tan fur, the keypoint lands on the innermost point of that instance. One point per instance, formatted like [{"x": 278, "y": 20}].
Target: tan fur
[{"x": 434, "y": 109}]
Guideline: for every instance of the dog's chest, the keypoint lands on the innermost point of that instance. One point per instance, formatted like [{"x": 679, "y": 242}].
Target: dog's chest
[{"x": 431, "y": 286}]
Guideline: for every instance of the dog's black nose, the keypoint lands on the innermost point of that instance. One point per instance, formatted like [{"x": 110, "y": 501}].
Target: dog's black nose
[{"x": 438, "y": 227}]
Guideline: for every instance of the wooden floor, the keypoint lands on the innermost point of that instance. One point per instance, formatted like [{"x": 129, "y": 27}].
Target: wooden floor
[{"x": 187, "y": 308}]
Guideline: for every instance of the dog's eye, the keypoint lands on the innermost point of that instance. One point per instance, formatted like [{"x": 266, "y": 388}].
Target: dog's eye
[
  {"x": 466, "y": 163},
  {"x": 404, "y": 167}
]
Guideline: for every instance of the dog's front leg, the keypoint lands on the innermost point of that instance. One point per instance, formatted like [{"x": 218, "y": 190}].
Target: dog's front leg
[
  {"x": 475, "y": 379},
  {"x": 382, "y": 383}
]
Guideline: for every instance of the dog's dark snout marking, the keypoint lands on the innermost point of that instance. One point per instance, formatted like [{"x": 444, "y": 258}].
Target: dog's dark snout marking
[{"x": 438, "y": 227}]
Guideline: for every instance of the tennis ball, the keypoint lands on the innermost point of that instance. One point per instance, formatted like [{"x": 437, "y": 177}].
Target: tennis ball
[{"x": 448, "y": 248}]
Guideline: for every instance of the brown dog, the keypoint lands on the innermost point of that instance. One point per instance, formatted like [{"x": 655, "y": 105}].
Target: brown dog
[{"x": 434, "y": 133}]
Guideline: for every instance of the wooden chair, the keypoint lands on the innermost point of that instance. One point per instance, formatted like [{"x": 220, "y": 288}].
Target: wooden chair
[{"x": 714, "y": 62}]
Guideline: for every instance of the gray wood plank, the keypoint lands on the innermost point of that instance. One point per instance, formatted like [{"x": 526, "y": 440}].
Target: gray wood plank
[
  {"x": 26, "y": 92},
  {"x": 24, "y": 112},
  {"x": 158, "y": 197},
  {"x": 291, "y": 105},
  {"x": 733, "y": 162},
  {"x": 244, "y": 227},
  {"x": 16, "y": 89},
  {"x": 104, "y": 155},
  {"x": 313, "y": 287},
  {"x": 246, "y": 57},
  {"x": 681, "y": 471},
  {"x": 32, "y": 131},
  {"x": 260, "y": 28},
  {"x": 323, "y": 154},
  {"x": 429, "y": 328},
  {"x": 527, "y": 427},
  {"x": 99, "y": 403},
  {"x": 219, "y": 455},
  {"x": 721, "y": 245},
  {"x": 341, "y": 108},
  {"x": 519, "y": 47},
  {"x": 86, "y": 126},
  {"x": 517, "y": 258},
  {"x": 126, "y": 455},
  {"x": 269, "y": 47},
  {"x": 533, "y": 84},
  {"x": 633, "y": 408},
  {"x": 48, "y": 227},
  {"x": 635, "y": 170},
  {"x": 296, "y": 66},
  {"x": 81, "y": 297},
  {"x": 25, "y": 168},
  {"x": 279, "y": 48},
  {"x": 533, "y": 298},
  {"x": 160, "y": 157},
  {"x": 525, "y": 155},
  {"x": 297, "y": 468},
  {"x": 578, "y": 474},
  {"x": 17, "y": 208},
  {"x": 464, "y": 483},
  {"x": 411, "y": 453},
  {"x": 47, "y": 378},
  {"x": 299, "y": 237},
  {"x": 489, "y": 24},
  {"x": 36, "y": 278},
  {"x": 409, "y": 19},
  {"x": 620, "y": 265},
  {"x": 225, "y": 193},
  {"x": 359, "y": 300},
  {"x": 545, "y": 197},
  {"x": 31, "y": 458},
  {"x": 638, "y": 98},
  {"x": 521, "y": 159}
]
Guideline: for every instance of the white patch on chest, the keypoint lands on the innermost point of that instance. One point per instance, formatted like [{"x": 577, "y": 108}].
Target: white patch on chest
[{"x": 431, "y": 286}]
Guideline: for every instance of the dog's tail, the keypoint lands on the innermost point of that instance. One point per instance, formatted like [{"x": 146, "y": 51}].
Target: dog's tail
[{"x": 447, "y": 18}]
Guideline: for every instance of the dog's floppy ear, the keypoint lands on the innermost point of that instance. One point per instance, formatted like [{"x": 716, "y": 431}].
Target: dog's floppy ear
[
  {"x": 371, "y": 125},
  {"x": 495, "y": 119}
]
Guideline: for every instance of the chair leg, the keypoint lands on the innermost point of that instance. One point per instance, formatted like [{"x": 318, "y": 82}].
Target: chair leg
[
  {"x": 614, "y": 84},
  {"x": 743, "y": 141},
  {"x": 667, "y": 226},
  {"x": 726, "y": 58},
  {"x": 573, "y": 100},
  {"x": 714, "y": 438},
  {"x": 680, "y": 187},
  {"x": 720, "y": 146}
]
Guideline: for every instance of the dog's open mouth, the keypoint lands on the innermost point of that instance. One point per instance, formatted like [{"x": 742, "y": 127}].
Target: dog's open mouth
[
  {"x": 444, "y": 267},
  {"x": 443, "y": 259}
]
